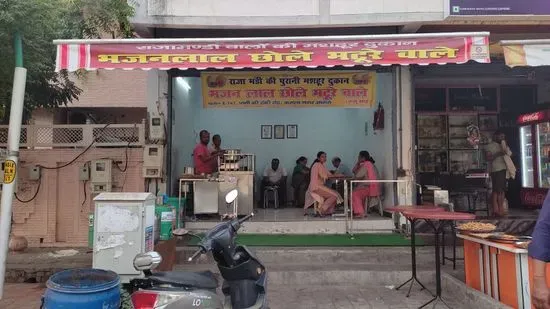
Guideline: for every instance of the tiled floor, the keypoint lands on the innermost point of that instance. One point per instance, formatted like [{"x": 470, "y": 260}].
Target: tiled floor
[
  {"x": 292, "y": 214},
  {"x": 292, "y": 220}
]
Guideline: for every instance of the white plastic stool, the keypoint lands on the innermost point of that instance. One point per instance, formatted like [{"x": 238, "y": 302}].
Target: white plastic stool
[{"x": 275, "y": 192}]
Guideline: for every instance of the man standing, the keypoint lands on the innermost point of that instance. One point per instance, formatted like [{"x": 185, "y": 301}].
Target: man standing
[
  {"x": 539, "y": 250},
  {"x": 495, "y": 156},
  {"x": 216, "y": 143},
  {"x": 203, "y": 159},
  {"x": 275, "y": 175},
  {"x": 216, "y": 149}
]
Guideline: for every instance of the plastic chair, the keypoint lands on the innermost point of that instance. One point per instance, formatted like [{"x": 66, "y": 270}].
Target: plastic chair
[
  {"x": 275, "y": 192},
  {"x": 318, "y": 201},
  {"x": 378, "y": 201}
]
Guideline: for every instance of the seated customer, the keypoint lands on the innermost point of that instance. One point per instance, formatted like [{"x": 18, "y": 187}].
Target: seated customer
[
  {"x": 340, "y": 169},
  {"x": 300, "y": 181},
  {"x": 317, "y": 188},
  {"x": 275, "y": 175},
  {"x": 365, "y": 171}
]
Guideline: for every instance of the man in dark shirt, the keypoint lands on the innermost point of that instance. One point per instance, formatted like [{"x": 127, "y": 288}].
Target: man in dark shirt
[{"x": 539, "y": 250}]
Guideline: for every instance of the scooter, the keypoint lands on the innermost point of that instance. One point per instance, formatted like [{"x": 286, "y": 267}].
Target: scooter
[{"x": 245, "y": 277}]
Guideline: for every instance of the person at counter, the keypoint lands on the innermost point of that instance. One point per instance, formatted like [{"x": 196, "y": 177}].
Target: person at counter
[
  {"x": 275, "y": 175},
  {"x": 216, "y": 149},
  {"x": 539, "y": 250},
  {"x": 497, "y": 168},
  {"x": 203, "y": 159},
  {"x": 319, "y": 176},
  {"x": 300, "y": 181},
  {"x": 216, "y": 145}
]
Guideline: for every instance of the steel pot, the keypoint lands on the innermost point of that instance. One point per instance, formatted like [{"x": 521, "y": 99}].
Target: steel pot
[{"x": 232, "y": 155}]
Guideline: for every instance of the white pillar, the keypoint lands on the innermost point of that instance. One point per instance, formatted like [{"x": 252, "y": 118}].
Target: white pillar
[
  {"x": 14, "y": 133},
  {"x": 405, "y": 144}
]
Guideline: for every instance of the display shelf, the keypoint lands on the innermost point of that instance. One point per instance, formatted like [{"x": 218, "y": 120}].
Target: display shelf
[{"x": 452, "y": 147}]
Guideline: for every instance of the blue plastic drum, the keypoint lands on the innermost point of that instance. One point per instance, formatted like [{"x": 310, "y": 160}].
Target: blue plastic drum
[{"x": 83, "y": 289}]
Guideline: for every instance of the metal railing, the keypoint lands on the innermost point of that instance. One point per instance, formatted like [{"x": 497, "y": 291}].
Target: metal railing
[
  {"x": 81, "y": 135},
  {"x": 348, "y": 188}
]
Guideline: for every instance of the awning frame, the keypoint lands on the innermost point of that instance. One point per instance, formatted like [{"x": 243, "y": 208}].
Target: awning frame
[
  {"x": 531, "y": 53},
  {"x": 524, "y": 42},
  {"x": 273, "y": 39}
]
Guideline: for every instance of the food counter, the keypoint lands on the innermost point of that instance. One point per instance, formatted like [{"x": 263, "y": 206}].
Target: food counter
[
  {"x": 235, "y": 171},
  {"x": 500, "y": 270}
]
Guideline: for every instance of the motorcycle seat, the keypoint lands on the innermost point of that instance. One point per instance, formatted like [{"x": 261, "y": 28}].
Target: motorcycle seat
[{"x": 201, "y": 280}]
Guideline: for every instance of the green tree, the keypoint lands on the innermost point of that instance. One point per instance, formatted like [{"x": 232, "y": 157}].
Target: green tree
[{"x": 42, "y": 21}]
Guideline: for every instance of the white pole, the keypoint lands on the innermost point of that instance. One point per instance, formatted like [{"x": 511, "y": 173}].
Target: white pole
[{"x": 14, "y": 133}]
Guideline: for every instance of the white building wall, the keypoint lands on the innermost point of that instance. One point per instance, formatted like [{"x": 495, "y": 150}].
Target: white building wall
[{"x": 285, "y": 13}]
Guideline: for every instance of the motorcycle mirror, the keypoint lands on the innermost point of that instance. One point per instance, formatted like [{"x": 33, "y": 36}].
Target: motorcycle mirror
[
  {"x": 180, "y": 232},
  {"x": 147, "y": 261},
  {"x": 231, "y": 196}
]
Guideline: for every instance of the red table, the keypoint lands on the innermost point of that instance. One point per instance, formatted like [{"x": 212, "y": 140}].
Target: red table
[
  {"x": 415, "y": 208},
  {"x": 437, "y": 221}
]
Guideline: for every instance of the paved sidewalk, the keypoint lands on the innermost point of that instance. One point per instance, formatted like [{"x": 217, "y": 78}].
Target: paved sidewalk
[
  {"x": 22, "y": 296},
  {"x": 348, "y": 297},
  {"x": 28, "y": 296}
]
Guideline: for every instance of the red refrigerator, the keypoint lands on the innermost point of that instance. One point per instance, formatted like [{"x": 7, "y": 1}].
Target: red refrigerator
[{"x": 534, "y": 134}]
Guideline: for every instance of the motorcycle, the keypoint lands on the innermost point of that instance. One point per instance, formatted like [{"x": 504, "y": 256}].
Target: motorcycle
[{"x": 245, "y": 277}]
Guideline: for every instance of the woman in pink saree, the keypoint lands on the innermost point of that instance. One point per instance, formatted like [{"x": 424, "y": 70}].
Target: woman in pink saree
[
  {"x": 365, "y": 170},
  {"x": 318, "y": 191}
]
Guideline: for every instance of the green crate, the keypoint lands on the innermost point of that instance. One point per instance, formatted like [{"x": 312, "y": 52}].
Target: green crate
[
  {"x": 165, "y": 215},
  {"x": 174, "y": 202}
]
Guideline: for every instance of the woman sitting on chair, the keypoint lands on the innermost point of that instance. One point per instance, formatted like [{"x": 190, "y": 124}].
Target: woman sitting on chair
[
  {"x": 365, "y": 171},
  {"x": 318, "y": 190}
]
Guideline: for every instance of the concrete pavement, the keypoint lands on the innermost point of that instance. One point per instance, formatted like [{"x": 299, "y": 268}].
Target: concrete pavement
[{"x": 22, "y": 296}]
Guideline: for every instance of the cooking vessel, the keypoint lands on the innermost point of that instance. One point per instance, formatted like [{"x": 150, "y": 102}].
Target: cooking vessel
[{"x": 232, "y": 155}]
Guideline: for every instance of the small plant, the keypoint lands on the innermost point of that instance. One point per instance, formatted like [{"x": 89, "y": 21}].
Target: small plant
[{"x": 125, "y": 301}]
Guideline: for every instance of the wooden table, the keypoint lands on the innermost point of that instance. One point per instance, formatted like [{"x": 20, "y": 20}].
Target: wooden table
[
  {"x": 502, "y": 271},
  {"x": 437, "y": 221},
  {"x": 417, "y": 208}
]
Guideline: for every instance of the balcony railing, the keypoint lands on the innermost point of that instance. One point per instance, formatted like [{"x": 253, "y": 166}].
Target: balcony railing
[{"x": 63, "y": 136}]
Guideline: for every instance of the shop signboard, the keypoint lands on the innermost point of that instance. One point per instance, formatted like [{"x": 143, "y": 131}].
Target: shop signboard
[
  {"x": 499, "y": 7},
  {"x": 350, "y": 89},
  {"x": 167, "y": 54}
]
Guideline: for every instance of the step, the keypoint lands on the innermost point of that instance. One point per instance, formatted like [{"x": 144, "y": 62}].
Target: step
[
  {"x": 301, "y": 226},
  {"x": 331, "y": 274},
  {"x": 324, "y": 255}
]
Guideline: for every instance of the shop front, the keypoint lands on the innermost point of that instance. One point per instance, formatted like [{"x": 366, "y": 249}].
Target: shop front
[
  {"x": 534, "y": 125},
  {"x": 280, "y": 98}
]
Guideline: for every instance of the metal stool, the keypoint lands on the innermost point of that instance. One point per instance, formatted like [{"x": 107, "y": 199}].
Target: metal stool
[{"x": 275, "y": 192}]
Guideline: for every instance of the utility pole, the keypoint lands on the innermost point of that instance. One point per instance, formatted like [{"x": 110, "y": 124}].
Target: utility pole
[{"x": 10, "y": 165}]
